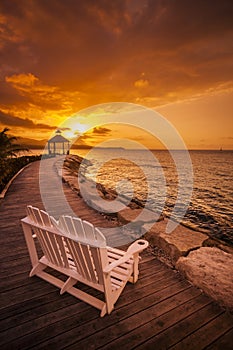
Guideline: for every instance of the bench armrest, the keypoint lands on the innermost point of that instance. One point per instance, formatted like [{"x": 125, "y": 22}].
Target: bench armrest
[{"x": 135, "y": 248}]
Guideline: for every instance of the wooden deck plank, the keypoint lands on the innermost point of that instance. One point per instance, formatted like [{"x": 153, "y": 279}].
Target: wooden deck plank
[
  {"x": 94, "y": 328},
  {"x": 201, "y": 338},
  {"x": 23, "y": 293},
  {"x": 21, "y": 308},
  {"x": 126, "y": 304},
  {"x": 161, "y": 306},
  {"x": 224, "y": 342},
  {"x": 171, "y": 327},
  {"x": 27, "y": 315},
  {"x": 123, "y": 327}
]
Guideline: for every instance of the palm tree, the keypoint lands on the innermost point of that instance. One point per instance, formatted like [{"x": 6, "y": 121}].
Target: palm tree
[{"x": 8, "y": 147}]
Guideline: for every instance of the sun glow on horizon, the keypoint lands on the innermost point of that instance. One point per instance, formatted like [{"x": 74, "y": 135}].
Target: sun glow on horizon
[{"x": 187, "y": 78}]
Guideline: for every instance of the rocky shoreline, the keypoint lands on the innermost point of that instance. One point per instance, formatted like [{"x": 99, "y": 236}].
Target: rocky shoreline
[{"x": 207, "y": 263}]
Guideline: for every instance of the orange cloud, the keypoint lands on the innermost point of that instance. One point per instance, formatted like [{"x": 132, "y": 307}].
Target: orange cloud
[
  {"x": 100, "y": 131},
  {"x": 51, "y": 69},
  {"x": 19, "y": 81},
  {"x": 141, "y": 83},
  {"x": 44, "y": 97},
  {"x": 10, "y": 120},
  {"x": 46, "y": 103}
]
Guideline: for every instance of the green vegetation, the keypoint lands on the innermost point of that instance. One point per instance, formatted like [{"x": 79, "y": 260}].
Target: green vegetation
[{"x": 10, "y": 164}]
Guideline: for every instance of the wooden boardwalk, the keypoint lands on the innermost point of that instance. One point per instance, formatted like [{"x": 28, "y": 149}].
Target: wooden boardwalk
[{"x": 162, "y": 311}]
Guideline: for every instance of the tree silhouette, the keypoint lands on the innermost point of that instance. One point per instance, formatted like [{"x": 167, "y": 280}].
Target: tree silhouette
[
  {"x": 8, "y": 147},
  {"x": 9, "y": 163}
]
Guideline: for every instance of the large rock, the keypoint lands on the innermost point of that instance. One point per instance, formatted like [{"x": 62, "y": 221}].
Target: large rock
[
  {"x": 177, "y": 243},
  {"x": 211, "y": 269}
]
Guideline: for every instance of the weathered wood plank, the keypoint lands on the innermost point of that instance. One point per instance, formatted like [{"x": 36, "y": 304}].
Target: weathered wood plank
[
  {"x": 170, "y": 328},
  {"x": 206, "y": 334},
  {"x": 91, "y": 331},
  {"x": 224, "y": 342},
  {"x": 144, "y": 316}
]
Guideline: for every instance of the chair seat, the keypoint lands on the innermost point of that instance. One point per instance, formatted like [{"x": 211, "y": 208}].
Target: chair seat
[{"x": 120, "y": 273}]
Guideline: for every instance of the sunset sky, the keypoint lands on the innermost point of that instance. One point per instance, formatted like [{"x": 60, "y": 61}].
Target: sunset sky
[{"x": 175, "y": 56}]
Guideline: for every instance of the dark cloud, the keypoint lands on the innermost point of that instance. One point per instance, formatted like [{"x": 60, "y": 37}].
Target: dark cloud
[
  {"x": 9, "y": 120},
  {"x": 8, "y": 95},
  {"x": 100, "y": 131},
  {"x": 177, "y": 23},
  {"x": 97, "y": 131},
  {"x": 227, "y": 138},
  {"x": 64, "y": 129},
  {"x": 102, "y": 47},
  {"x": 91, "y": 137},
  {"x": 81, "y": 141}
]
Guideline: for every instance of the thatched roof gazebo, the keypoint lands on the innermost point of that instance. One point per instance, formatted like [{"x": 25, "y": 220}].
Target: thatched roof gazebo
[{"x": 58, "y": 144}]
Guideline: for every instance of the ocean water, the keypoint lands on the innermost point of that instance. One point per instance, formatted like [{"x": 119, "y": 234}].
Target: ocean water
[{"x": 154, "y": 180}]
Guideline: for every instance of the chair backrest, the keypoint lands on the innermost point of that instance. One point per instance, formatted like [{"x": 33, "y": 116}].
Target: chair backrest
[{"x": 71, "y": 243}]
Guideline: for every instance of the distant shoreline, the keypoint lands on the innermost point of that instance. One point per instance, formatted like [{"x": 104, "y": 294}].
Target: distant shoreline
[{"x": 41, "y": 147}]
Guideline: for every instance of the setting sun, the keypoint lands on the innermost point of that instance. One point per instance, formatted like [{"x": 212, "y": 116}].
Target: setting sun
[{"x": 166, "y": 57}]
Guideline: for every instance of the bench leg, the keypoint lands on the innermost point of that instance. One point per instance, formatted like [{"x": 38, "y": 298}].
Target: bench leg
[
  {"x": 70, "y": 282},
  {"x": 37, "y": 269}
]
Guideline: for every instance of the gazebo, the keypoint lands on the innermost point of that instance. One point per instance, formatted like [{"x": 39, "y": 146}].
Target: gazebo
[{"x": 58, "y": 144}]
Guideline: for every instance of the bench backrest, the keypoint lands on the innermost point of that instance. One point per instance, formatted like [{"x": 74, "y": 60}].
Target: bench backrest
[{"x": 71, "y": 243}]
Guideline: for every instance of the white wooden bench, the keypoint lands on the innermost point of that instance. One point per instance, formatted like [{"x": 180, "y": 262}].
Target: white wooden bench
[{"x": 78, "y": 250}]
